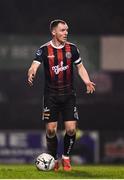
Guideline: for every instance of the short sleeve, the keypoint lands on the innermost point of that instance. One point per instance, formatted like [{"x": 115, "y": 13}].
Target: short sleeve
[
  {"x": 39, "y": 55},
  {"x": 76, "y": 55}
]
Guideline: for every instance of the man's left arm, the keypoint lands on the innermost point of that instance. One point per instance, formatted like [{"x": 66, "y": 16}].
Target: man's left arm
[{"x": 85, "y": 77}]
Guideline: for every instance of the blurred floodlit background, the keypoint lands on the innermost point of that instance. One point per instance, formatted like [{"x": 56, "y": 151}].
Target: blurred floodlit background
[{"x": 97, "y": 28}]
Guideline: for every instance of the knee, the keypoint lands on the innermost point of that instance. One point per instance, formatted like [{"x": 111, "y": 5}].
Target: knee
[
  {"x": 51, "y": 132},
  {"x": 71, "y": 132}
]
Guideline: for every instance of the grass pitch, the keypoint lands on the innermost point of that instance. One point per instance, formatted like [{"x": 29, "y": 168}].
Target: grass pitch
[{"x": 78, "y": 172}]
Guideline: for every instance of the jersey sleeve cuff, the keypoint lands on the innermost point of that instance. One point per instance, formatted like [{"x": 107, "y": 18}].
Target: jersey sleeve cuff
[
  {"x": 78, "y": 61},
  {"x": 37, "y": 61}
]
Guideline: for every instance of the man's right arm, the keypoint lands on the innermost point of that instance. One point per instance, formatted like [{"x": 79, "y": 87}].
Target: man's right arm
[{"x": 32, "y": 72}]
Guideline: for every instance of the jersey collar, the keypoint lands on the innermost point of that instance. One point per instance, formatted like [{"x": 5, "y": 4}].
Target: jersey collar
[{"x": 57, "y": 47}]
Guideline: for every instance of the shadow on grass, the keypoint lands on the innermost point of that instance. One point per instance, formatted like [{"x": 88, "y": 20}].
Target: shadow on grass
[
  {"x": 81, "y": 174},
  {"x": 75, "y": 174}
]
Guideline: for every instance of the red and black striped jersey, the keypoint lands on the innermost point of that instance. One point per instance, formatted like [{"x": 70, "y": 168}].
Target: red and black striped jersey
[{"x": 58, "y": 66}]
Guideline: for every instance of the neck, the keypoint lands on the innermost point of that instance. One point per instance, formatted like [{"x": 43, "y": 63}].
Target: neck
[{"x": 57, "y": 43}]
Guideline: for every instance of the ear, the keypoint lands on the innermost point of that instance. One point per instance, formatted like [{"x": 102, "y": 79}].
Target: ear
[{"x": 53, "y": 32}]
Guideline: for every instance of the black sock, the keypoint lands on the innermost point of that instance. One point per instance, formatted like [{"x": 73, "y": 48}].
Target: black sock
[
  {"x": 52, "y": 144},
  {"x": 68, "y": 144}
]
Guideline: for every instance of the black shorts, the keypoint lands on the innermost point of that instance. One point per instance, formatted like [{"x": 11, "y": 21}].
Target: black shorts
[{"x": 56, "y": 105}]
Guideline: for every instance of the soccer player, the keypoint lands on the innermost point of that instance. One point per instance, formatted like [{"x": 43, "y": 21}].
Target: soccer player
[{"x": 58, "y": 57}]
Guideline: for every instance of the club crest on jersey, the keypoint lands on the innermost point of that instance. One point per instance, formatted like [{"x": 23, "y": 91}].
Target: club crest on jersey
[
  {"x": 68, "y": 55},
  {"x": 59, "y": 68}
]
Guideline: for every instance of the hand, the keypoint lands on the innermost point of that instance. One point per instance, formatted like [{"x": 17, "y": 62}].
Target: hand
[
  {"x": 31, "y": 76},
  {"x": 30, "y": 79},
  {"x": 90, "y": 87}
]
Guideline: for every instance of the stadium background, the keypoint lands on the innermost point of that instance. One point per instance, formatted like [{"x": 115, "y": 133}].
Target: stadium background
[{"x": 97, "y": 27}]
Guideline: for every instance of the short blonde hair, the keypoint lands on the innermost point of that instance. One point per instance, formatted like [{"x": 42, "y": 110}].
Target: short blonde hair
[{"x": 55, "y": 23}]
